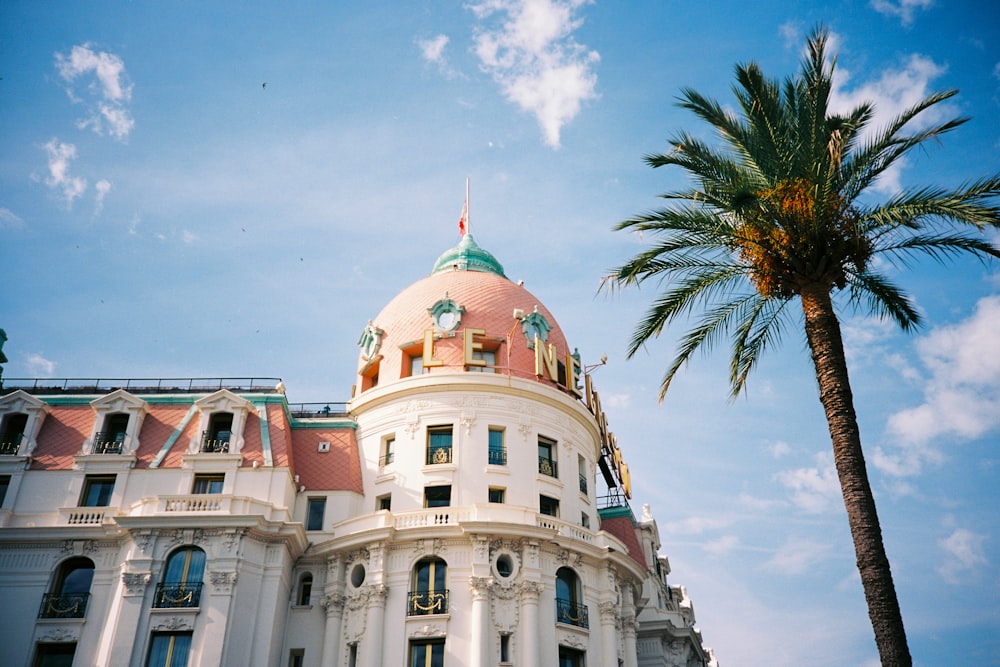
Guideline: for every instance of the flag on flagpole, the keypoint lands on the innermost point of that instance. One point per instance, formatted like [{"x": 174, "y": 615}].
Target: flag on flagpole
[{"x": 463, "y": 222}]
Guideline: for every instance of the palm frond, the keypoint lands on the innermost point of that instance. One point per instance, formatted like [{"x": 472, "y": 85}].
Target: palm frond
[
  {"x": 758, "y": 331},
  {"x": 883, "y": 299}
]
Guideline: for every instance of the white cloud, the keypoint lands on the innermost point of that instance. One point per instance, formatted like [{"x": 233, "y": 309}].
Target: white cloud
[
  {"x": 60, "y": 154},
  {"x": 533, "y": 57},
  {"x": 694, "y": 525},
  {"x": 103, "y": 187},
  {"x": 797, "y": 556},
  {"x": 963, "y": 554},
  {"x": 39, "y": 366},
  {"x": 779, "y": 448},
  {"x": 109, "y": 95},
  {"x": 722, "y": 546},
  {"x": 188, "y": 237},
  {"x": 9, "y": 220},
  {"x": 961, "y": 397},
  {"x": 433, "y": 49},
  {"x": 895, "y": 91},
  {"x": 814, "y": 490},
  {"x": 904, "y": 9}
]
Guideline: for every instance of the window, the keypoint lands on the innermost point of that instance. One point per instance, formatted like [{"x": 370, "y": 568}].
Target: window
[
  {"x": 111, "y": 439},
  {"x": 489, "y": 356},
  {"x": 352, "y": 655},
  {"x": 497, "y": 495},
  {"x": 220, "y": 430},
  {"x": 569, "y": 599},
  {"x": 581, "y": 464},
  {"x": 570, "y": 657},
  {"x": 504, "y": 648},
  {"x": 584, "y": 519},
  {"x": 426, "y": 653},
  {"x": 384, "y": 502},
  {"x": 315, "y": 512},
  {"x": 4, "y": 485},
  {"x": 428, "y": 592},
  {"x": 70, "y": 590},
  {"x": 497, "y": 451},
  {"x": 54, "y": 655},
  {"x": 208, "y": 483},
  {"x": 547, "y": 457},
  {"x": 169, "y": 649},
  {"x": 439, "y": 444},
  {"x": 182, "y": 580},
  {"x": 97, "y": 490},
  {"x": 416, "y": 364},
  {"x": 437, "y": 496},
  {"x": 547, "y": 505},
  {"x": 12, "y": 433},
  {"x": 296, "y": 657},
  {"x": 304, "y": 595},
  {"x": 388, "y": 451}
]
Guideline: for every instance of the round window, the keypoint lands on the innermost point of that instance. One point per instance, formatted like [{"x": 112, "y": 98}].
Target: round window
[
  {"x": 357, "y": 575},
  {"x": 505, "y": 566}
]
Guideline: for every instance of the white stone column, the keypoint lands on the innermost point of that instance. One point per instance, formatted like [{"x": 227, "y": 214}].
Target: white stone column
[
  {"x": 629, "y": 627},
  {"x": 374, "y": 629},
  {"x": 609, "y": 633},
  {"x": 125, "y": 617},
  {"x": 530, "y": 630},
  {"x": 334, "y": 605},
  {"x": 480, "y": 639}
]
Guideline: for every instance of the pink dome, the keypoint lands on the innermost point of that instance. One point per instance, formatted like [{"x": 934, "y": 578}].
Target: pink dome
[{"x": 478, "y": 296}]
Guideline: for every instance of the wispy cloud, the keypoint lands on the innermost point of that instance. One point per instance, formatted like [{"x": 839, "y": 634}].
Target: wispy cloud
[
  {"x": 105, "y": 99},
  {"x": 9, "y": 220},
  {"x": 722, "y": 546},
  {"x": 797, "y": 556},
  {"x": 103, "y": 187},
  {"x": 903, "y": 9},
  {"x": 39, "y": 366},
  {"x": 964, "y": 553},
  {"x": 814, "y": 490},
  {"x": 961, "y": 395},
  {"x": 60, "y": 155},
  {"x": 530, "y": 51}
]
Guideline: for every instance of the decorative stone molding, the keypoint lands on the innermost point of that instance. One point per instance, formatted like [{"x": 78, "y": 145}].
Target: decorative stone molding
[
  {"x": 480, "y": 587},
  {"x": 19, "y": 401},
  {"x": 60, "y": 634},
  {"x": 135, "y": 583},
  {"x": 375, "y": 595},
  {"x": 429, "y": 631},
  {"x": 531, "y": 590},
  {"x": 118, "y": 401},
  {"x": 172, "y": 623},
  {"x": 223, "y": 582},
  {"x": 333, "y": 603}
]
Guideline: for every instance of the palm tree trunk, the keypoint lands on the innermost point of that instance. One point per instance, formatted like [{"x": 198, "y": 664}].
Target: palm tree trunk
[{"x": 827, "y": 348}]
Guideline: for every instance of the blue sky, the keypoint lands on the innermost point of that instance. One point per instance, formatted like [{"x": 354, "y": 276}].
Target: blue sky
[{"x": 164, "y": 213}]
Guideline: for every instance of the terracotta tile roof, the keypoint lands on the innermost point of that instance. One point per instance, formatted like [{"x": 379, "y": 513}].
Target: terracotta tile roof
[
  {"x": 61, "y": 437},
  {"x": 336, "y": 470},
  {"x": 623, "y": 528}
]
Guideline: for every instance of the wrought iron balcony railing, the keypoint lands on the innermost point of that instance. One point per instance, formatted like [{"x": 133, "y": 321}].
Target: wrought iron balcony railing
[
  {"x": 10, "y": 448},
  {"x": 498, "y": 457},
  {"x": 171, "y": 595},
  {"x": 66, "y": 605},
  {"x": 108, "y": 442},
  {"x": 572, "y": 613},
  {"x": 215, "y": 443},
  {"x": 583, "y": 483},
  {"x": 423, "y": 603},
  {"x": 439, "y": 455},
  {"x": 386, "y": 459},
  {"x": 547, "y": 466}
]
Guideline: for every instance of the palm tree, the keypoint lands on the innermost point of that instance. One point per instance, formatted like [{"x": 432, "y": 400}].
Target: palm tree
[{"x": 780, "y": 212}]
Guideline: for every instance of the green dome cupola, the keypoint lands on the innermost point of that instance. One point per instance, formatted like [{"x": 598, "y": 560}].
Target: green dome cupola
[{"x": 468, "y": 256}]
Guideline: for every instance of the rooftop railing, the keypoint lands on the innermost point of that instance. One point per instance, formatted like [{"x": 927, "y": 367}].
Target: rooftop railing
[{"x": 139, "y": 385}]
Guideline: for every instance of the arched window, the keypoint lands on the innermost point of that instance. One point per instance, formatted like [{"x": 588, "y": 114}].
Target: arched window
[
  {"x": 182, "y": 579},
  {"x": 303, "y": 596},
  {"x": 70, "y": 591},
  {"x": 220, "y": 431},
  {"x": 428, "y": 592},
  {"x": 569, "y": 599}
]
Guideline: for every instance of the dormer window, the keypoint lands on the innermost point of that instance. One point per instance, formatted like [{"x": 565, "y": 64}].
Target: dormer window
[
  {"x": 117, "y": 423},
  {"x": 21, "y": 416},
  {"x": 222, "y": 424}
]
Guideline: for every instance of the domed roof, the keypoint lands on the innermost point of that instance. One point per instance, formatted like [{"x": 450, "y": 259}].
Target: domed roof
[{"x": 467, "y": 289}]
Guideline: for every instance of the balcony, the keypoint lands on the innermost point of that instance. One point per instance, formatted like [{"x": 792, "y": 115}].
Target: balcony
[
  {"x": 67, "y": 605},
  {"x": 547, "y": 466},
  {"x": 385, "y": 459},
  {"x": 583, "y": 484},
  {"x": 209, "y": 504},
  {"x": 424, "y": 603},
  {"x": 215, "y": 443},
  {"x": 439, "y": 455},
  {"x": 108, "y": 442},
  {"x": 498, "y": 457},
  {"x": 87, "y": 516},
  {"x": 177, "y": 596},
  {"x": 571, "y": 613},
  {"x": 10, "y": 448}
]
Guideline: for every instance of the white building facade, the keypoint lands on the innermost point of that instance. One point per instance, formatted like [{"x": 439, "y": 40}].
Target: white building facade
[{"x": 467, "y": 507}]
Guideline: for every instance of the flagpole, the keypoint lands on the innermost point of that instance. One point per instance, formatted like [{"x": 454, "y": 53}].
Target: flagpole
[{"x": 468, "y": 217}]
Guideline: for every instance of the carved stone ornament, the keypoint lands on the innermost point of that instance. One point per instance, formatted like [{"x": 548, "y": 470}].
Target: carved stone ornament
[
  {"x": 333, "y": 603},
  {"x": 135, "y": 582},
  {"x": 172, "y": 623},
  {"x": 223, "y": 582},
  {"x": 429, "y": 630},
  {"x": 60, "y": 634}
]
